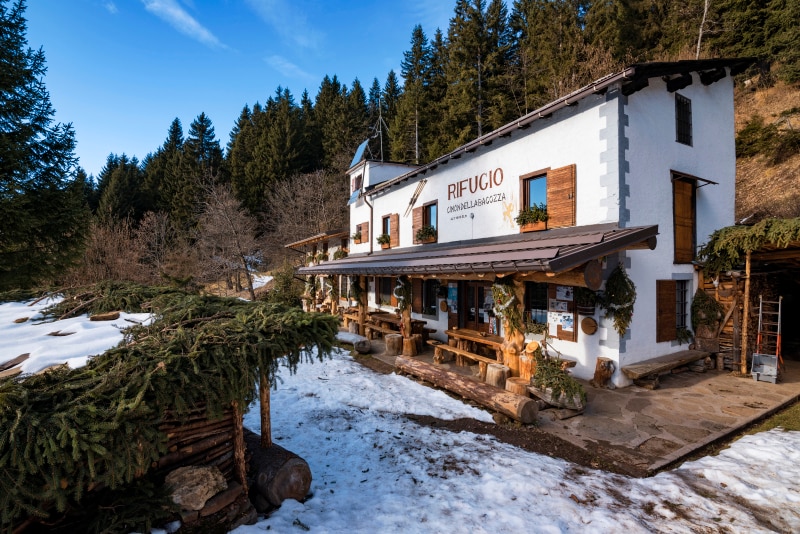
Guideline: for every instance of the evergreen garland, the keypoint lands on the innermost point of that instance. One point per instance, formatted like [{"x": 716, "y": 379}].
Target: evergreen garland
[
  {"x": 65, "y": 431},
  {"x": 402, "y": 292},
  {"x": 505, "y": 304},
  {"x": 705, "y": 309},
  {"x": 618, "y": 299},
  {"x": 727, "y": 246}
]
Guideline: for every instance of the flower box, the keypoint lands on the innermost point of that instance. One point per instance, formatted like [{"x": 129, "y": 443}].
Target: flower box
[{"x": 537, "y": 226}]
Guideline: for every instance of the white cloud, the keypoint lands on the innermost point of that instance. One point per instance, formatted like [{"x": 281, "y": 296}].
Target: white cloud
[
  {"x": 287, "y": 68},
  {"x": 289, "y": 21},
  {"x": 111, "y": 7},
  {"x": 431, "y": 15},
  {"x": 172, "y": 13}
]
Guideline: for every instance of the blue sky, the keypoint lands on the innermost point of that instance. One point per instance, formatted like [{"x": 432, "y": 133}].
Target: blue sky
[{"x": 121, "y": 70}]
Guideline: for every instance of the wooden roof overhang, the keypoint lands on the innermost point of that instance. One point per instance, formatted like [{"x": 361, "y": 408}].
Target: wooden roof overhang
[
  {"x": 324, "y": 236},
  {"x": 775, "y": 258},
  {"x": 553, "y": 251}
]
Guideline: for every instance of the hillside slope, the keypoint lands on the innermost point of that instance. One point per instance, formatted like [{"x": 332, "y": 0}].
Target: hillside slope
[{"x": 762, "y": 189}]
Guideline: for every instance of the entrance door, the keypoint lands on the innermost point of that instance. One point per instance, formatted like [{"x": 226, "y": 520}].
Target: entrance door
[{"x": 477, "y": 304}]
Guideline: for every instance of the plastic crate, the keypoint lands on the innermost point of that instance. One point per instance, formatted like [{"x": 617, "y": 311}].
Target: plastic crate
[{"x": 765, "y": 368}]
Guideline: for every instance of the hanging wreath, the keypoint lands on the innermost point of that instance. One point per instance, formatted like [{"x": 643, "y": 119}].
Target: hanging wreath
[
  {"x": 618, "y": 299},
  {"x": 505, "y": 304},
  {"x": 402, "y": 292}
]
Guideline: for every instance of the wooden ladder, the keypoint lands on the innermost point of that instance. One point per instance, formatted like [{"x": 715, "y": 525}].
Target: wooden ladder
[{"x": 769, "y": 327}]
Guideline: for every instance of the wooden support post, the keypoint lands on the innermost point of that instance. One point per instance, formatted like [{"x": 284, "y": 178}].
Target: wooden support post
[
  {"x": 746, "y": 317},
  {"x": 362, "y": 306},
  {"x": 239, "y": 463},
  {"x": 266, "y": 423},
  {"x": 588, "y": 275}
]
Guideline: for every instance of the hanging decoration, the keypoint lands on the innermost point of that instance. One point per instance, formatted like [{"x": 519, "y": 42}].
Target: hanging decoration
[
  {"x": 618, "y": 299},
  {"x": 402, "y": 292},
  {"x": 505, "y": 304},
  {"x": 355, "y": 289}
]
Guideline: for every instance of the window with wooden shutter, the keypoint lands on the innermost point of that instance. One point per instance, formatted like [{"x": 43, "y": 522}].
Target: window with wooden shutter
[
  {"x": 666, "y": 329},
  {"x": 683, "y": 190},
  {"x": 364, "y": 229},
  {"x": 561, "y": 301},
  {"x": 394, "y": 230},
  {"x": 416, "y": 295},
  {"x": 561, "y": 197},
  {"x": 416, "y": 222}
]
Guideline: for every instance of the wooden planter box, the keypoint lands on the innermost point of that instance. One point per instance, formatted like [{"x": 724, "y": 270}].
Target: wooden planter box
[
  {"x": 385, "y": 245},
  {"x": 533, "y": 227},
  {"x": 428, "y": 240}
]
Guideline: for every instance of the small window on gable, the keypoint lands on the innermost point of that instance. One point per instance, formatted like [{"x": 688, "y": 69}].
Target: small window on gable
[
  {"x": 357, "y": 181},
  {"x": 683, "y": 119}
]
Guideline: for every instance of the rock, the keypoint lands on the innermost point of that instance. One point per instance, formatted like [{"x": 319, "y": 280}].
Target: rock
[
  {"x": 192, "y": 486},
  {"x": 108, "y": 316}
]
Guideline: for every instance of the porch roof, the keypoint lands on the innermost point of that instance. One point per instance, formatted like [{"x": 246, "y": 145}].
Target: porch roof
[
  {"x": 324, "y": 236},
  {"x": 553, "y": 251}
]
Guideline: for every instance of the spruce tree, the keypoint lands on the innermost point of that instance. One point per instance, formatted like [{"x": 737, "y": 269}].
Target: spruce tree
[
  {"x": 416, "y": 66},
  {"x": 160, "y": 169},
  {"x": 45, "y": 215},
  {"x": 123, "y": 198}
]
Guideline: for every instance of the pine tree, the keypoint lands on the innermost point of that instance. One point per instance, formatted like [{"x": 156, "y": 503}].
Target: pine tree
[
  {"x": 162, "y": 168},
  {"x": 123, "y": 198},
  {"x": 45, "y": 215},
  {"x": 406, "y": 121}
]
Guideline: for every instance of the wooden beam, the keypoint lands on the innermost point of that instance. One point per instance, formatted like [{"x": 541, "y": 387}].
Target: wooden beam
[{"x": 589, "y": 275}]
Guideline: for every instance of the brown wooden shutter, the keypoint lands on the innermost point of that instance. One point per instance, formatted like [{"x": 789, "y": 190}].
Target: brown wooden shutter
[
  {"x": 394, "y": 230},
  {"x": 364, "y": 232},
  {"x": 416, "y": 221},
  {"x": 561, "y": 197},
  {"x": 566, "y": 335},
  {"x": 416, "y": 295},
  {"x": 666, "y": 329},
  {"x": 683, "y": 207}
]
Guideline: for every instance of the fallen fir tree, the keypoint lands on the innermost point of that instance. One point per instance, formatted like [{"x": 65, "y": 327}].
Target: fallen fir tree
[{"x": 73, "y": 440}]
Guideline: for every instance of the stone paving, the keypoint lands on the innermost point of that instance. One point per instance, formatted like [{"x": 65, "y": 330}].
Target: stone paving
[{"x": 650, "y": 429}]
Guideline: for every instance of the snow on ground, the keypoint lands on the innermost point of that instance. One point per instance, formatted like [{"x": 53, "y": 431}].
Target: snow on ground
[
  {"x": 376, "y": 471},
  {"x": 86, "y": 338}
]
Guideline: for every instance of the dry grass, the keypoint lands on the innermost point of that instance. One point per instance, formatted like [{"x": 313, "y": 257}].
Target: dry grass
[{"x": 767, "y": 190}]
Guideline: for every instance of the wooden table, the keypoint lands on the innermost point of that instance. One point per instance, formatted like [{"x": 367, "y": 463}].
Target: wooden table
[
  {"x": 388, "y": 320},
  {"x": 466, "y": 338}
]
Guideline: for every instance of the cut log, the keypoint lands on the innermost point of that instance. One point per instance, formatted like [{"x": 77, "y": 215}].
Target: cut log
[
  {"x": 360, "y": 343},
  {"x": 496, "y": 375},
  {"x": 409, "y": 347},
  {"x": 514, "y": 406},
  {"x": 275, "y": 473},
  {"x": 518, "y": 385},
  {"x": 527, "y": 365},
  {"x": 394, "y": 344}
]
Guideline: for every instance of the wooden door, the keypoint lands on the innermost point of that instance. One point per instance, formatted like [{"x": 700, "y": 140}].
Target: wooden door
[{"x": 477, "y": 304}]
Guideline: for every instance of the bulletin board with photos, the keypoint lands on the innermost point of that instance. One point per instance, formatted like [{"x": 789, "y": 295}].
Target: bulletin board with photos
[{"x": 561, "y": 312}]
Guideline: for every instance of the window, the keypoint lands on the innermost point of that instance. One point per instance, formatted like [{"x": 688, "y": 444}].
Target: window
[
  {"x": 681, "y": 303},
  {"x": 357, "y": 181},
  {"x": 425, "y": 223},
  {"x": 386, "y": 225},
  {"x": 684, "y": 217},
  {"x": 384, "y": 291},
  {"x": 536, "y": 302},
  {"x": 672, "y": 308},
  {"x": 363, "y": 230},
  {"x": 344, "y": 243},
  {"x": 553, "y": 188},
  {"x": 683, "y": 119},
  {"x": 429, "y": 217},
  {"x": 429, "y": 298},
  {"x": 534, "y": 191}
]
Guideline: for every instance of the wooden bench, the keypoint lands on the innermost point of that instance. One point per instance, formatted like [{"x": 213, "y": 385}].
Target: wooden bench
[
  {"x": 371, "y": 328},
  {"x": 650, "y": 369},
  {"x": 439, "y": 357},
  {"x": 347, "y": 317}
]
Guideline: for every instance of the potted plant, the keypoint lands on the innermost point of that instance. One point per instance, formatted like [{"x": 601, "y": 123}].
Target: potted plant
[
  {"x": 322, "y": 256},
  {"x": 357, "y": 238},
  {"x": 585, "y": 300},
  {"x": 533, "y": 218},
  {"x": 340, "y": 253},
  {"x": 384, "y": 240},
  {"x": 426, "y": 234}
]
